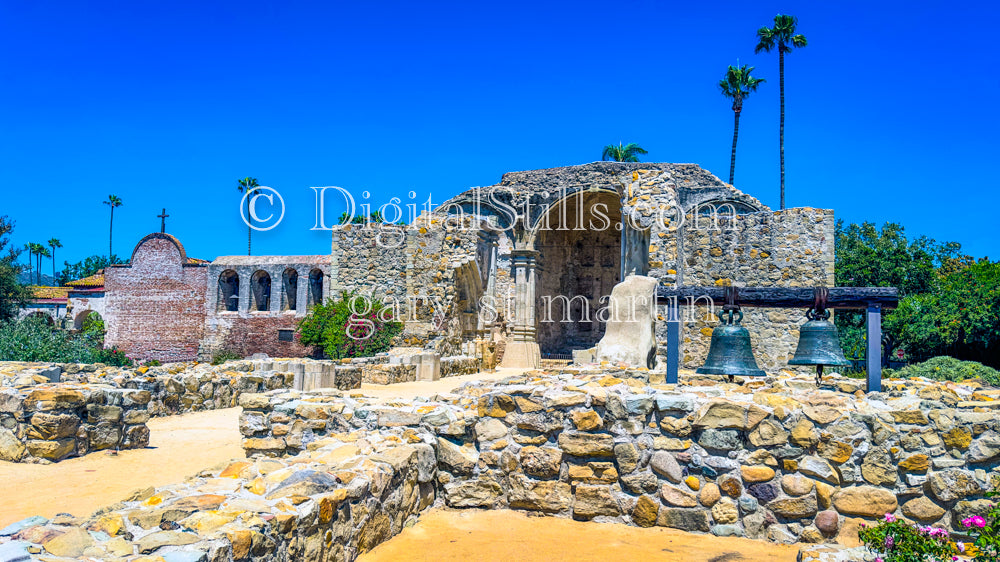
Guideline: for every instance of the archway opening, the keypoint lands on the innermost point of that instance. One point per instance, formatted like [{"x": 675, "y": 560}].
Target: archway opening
[
  {"x": 229, "y": 292},
  {"x": 85, "y": 320},
  {"x": 579, "y": 260},
  {"x": 315, "y": 287},
  {"x": 290, "y": 289},
  {"x": 260, "y": 291}
]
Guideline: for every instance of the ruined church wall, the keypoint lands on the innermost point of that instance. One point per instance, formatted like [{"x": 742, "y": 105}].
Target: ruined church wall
[
  {"x": 791, "y": 248},
  {"x": 155, "y": 305},
  {"x": 416, "y": 268}
]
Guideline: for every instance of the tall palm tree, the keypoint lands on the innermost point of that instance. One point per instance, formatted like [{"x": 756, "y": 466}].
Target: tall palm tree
[
  {"x": 247, "y": 185},
  {"x": 783, "y": 37},
  {"x": 737, "y": 85},
  {"x": 623, "y": 153},
  {"x": 33, "y": 248},
  {"x": 38, "y": 251},
  {"x": 54, "y": 243},
  {"x": 113, "y": 201}
]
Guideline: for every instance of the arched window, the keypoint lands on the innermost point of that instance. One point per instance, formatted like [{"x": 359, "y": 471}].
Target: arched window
[
  {"x": 260, "y": 290},
  {"x": 229, "y": 292},
  {"x": 315, "y": 287},
  {"x": 290, "y": 289}
]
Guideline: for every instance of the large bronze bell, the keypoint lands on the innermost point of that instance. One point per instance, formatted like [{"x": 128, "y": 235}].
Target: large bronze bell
[
  {"x": 819, "y": 344},
  {"x": 729, "y": 352}
]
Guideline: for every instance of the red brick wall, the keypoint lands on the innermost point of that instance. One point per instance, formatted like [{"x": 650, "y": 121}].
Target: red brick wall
[
  {"x": 247, "y": 336},
  {"x": 156, "y": 305}
]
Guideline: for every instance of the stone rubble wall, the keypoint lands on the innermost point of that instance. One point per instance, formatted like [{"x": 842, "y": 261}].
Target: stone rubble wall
[
  {"x": 421, "y": 268},
  {"x": 92, "y": 410},
  {"x": 332, "y": 474},
  {"x": 773, "y": 459},
  {"x": 339, "y": 500}
]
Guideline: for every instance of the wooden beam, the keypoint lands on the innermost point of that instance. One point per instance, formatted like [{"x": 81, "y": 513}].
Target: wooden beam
[{"x": 783, "y": 297}]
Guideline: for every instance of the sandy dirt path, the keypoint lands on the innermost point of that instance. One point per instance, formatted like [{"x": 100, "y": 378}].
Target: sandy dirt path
[
  {"x": 500, "y": 536},
  {"x": 178, "y": 446}
]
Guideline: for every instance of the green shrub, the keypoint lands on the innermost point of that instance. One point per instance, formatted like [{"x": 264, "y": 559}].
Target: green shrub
[
  {"x": 351, "y": 326},
  {"x": 224, "y": 355},
  {"x": 32, "y": 339},
  {"x": 153, "y": 363},
  {"x": 946, "y": 368},
  {"x": 892, "y": 540}
]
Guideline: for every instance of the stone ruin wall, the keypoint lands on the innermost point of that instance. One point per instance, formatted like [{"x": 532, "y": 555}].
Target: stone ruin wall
[
  {"x": 331, "y": 476},
  {"x": 155, "y": 305},
  {"x": 790, "y": 248},
  {"x": 430, "y": 267},
  {"x": 50, "y": 412}
]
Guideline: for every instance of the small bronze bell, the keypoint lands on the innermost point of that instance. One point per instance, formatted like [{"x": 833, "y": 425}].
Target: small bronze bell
[
  {"x": 819, "y": 343},
  {"x": 729, "y": 352}
]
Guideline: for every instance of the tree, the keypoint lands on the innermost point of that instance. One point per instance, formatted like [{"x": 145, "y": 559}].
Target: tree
[
  {"x": 54, "y": 243},
  {"x": 339, "y": 329},
  {"x": 13, "y": 295},
  {"x": 113, "y": 201},
  {"x": 623, "y": 153},
  {"x": 35, "y": 252},
  {"x": 737, "y": 85},
  {"x": 85, "y": 268},
  {"x": 41, "y": 252},
  {"x": 783, "y": 37},
  {"x": 248, "y": 185}
]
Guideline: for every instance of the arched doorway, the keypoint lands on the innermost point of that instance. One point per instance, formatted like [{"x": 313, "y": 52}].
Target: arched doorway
[
  {"x": 80, "y": 320},
  {"x": 579, "y": 259}
]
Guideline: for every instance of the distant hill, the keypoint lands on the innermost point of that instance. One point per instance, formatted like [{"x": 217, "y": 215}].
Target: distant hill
[{"x": 26, "y": 278}]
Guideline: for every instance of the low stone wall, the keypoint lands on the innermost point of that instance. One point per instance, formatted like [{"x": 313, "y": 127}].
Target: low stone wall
[
  {"x": 343, "y": 498},
  {"x": 54, "y": 421},
  {"x": 773, "y": 459},
  {"x": 94, "y": 409},
  {"x": 331, "y": 475}
]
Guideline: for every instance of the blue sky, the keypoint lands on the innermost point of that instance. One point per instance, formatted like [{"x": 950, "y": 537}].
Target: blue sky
[{"x": 890, "y": 109}]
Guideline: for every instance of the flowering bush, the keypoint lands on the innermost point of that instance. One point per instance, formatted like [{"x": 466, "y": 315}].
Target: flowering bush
[
  {"x": 896, "y": 541},
  {"x": 351, "y": 326},
  {"x": 987, "y": 546}
]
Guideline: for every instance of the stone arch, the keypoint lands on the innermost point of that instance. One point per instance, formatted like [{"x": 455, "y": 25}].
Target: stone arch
[
  {"x": 260, "y": 291},
  {"x": 315, "y": 287},
  {"x": 39, "y": 314},
  {"x": 579, "y": 245},
  {"x": 229, "y": 292},
  {"x": 289, "y": 289},
  {"x": 80, "y": 319}
]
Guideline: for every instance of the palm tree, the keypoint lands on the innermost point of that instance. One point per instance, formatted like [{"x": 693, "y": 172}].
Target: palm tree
[
  {"x": 33, "y": 248},
  {"x": 737, "y": 85},
  {"x": 37, "y": 251},
  {"x": 54, "y": 243},
  {"x": 247, "y": 185},
  {"x": 113, "y": 201},
  {"x": 782, "y": 36},
  {"x": 620, "y": 153}
]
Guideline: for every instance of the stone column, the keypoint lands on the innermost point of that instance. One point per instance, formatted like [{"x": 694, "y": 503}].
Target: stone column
[{"x": 522, "y": 347}]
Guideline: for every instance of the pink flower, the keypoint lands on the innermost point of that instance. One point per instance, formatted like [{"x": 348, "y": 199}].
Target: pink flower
[
  {"x": 889, "y": 541},
  {"x": 890, "y": 517},
  {"x": 961, "y": 548},
  {"x": 975, "y": 521},
  {"x": 879, "y": 560}
]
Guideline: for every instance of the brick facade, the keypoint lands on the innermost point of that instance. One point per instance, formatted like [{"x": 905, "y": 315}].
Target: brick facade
[{"x": 155, "y": 305}]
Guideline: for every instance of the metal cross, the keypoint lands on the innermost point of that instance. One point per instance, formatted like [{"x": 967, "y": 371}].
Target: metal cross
[{"x": 163, "y": 221}]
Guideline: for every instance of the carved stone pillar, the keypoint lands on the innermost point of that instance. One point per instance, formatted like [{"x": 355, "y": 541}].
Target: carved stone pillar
[{"x": 522, "y": 347}]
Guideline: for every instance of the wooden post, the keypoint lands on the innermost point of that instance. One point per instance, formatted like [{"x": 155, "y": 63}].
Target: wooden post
[
  {"x": 873, "y": 330},
  {"x": 673, "y": 341}
]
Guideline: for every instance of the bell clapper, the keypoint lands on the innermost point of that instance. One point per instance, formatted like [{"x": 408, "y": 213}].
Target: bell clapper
[{"x": 819, "y": 375}]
